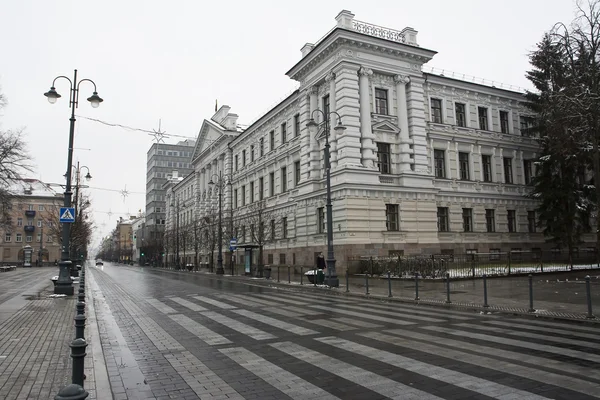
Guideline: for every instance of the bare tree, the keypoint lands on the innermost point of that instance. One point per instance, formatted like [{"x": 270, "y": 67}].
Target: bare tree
[{"x": 257, "y": 223}]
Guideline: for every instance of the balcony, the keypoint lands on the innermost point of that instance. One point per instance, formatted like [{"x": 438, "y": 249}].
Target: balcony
[
  {"x": 29, "y": 213},
  {"x": 29, "y": 228}
]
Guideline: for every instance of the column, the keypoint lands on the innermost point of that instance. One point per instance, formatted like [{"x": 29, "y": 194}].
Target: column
[
  {"x": 494, "y": 167},
  {"x": 481, "y": 177},
  {"x": 333, "y": 120},
  {"x": 472, "y": 163},
  {"x": 367, "y": 150},
  {"x": 402, "y": 112},
  {"x": 502, "y": 165},
  {"x": 432, "y": 162},
  {"x": 417, "y": 126},
  {"x": 457, "y": 160},
  {"x": 315, "y": 158},
  {"x": 304, "y": 137},
  {"x": 447, "y": 161}
]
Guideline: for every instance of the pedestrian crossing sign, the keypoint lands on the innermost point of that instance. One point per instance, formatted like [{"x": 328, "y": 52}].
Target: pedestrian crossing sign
[{"x": 67, "y": 214}]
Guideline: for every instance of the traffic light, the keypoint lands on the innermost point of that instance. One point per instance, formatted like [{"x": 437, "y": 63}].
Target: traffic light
[{"x": 142, "y": 254}]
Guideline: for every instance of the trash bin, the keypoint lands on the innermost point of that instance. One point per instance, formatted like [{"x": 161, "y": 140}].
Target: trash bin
[
  {"x": 320, "y": 277},
  {"x": 267, "y": 271}
]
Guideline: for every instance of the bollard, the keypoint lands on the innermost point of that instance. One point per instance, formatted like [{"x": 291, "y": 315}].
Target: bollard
[
  {"x": 531, "y": 309},
  {"x": 289, "y": 276},
  {"x": 589, "y": 297},
  {"x": 315, "y": 278},
  {"x": 448, "y": 289},
  {"x": 347, "y": 280},
  {"x": 417, "y": 286},
  {"x": 278, "y": 273},
  {"x": 389, "y": 284},
  {"x": 78, "y": 347},
  {"x": 485, "y": 303},
  {"x": 81, "y": 297},
  {"x": 72, "y": 392},
  {"x": 302, "y": 275},
  {"x": 79, "y": 326},
  {"x": 367, "y": 283},
  {"x": 80, "y": 306}
]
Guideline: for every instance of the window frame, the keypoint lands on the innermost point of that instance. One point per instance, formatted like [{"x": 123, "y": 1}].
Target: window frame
[
  {"x": 511, "y": 220},
  {"x": 437, "y": 114},
  {"x": 320, "y": 220},
  {"x": 531, "y": 221},
  {"x": 486, "y": 167},
  {"x": 284, "y": 182},
  {"x": 461, "y": 123},
  {"x": 297, "y": 173},
  {"x": 508, "y": 174},
  {"x": 284, "y": 132},
  {"x": 443, "y": 219},
  {"x": 483, "y": 118},
  {"x": 467, "y": 216},
  {"x": 381, "y": 101},
  {"x": 490, "y": 220},
  {"x": 272, "y": 140},
  {"x": 392, "y": 217},
  {"x": 437, "y": 160},
  {"x": 504, "y": 123},
  {"x": 297, "y": 125},
  {"x": 463, "y": 165},
  {"x": 384, "y": 152}
]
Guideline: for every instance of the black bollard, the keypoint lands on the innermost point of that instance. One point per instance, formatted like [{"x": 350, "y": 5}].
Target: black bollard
[
  {"x": 347, "y": 280},
  {"x": 80, "y": 306},
  {"x": 448, "y": 289},
  {"x": 79, "y": 326},
  {"x": 78, "y": 347},
  {"x": 72, "y": 392},
  {"x": 417, "y": 286},
  {"x": 278, "y": 274},
  {"x": 531, "y": 309},
  {"x": 302, "y": 275},
  {"x": 289, "y": 276},
  {"x": 389, "y": 284},
  {"x": 589, "y": 297},
  {"x": 367, "y": 284},
  {"x": 315, "y": 278},
  {"x": 81, "y": 296},
  {"x": 485, "y": 302}
]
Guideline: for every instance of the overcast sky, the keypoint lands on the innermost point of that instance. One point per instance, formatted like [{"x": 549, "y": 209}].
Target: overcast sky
[{"x": 170, "y": 60}]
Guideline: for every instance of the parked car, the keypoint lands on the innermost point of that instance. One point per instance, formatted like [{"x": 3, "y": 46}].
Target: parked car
[{"x": 99, "y": 262}]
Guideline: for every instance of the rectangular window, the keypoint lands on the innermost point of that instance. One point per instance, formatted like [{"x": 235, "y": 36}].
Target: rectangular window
[
  {"x": 19, "y": 238},
  {"x": 508, "y": 176},
  {"x": 381, "y": 101},
  {"x": 30, "y": 207},
  {"x": 19, "y": 221},
  {"x": 283, "y": 133},
  {"x": 527, "y": 171},
  {"x": 467, "y": 219},
  {"x": 297, "y": 125},
  {"x": 272, "y": 184},
  {"x": 483, "y": 118},
  {"x": 40, "y": 208},
  {"x": 326, "y": 106},
  {"x": 273, "y": 229},
  {"x": 235, "y": 198},
  {"x": 272, "y": 140},
  {"x": 297, "y": 173},
  {"x": 383, "y": 157},
  {"x": 391, "y": 217},
  {"x": 243, "y": 158},
  {"x": 251, "y": 153},
  {"x": 512, "y": 220},
  {"x": 39, "y": 223},
  {"x": 436, "y": 111},
  {"x": 463, "y": 163},
  {"x": 461, "y": 115},
  {"x": 284, "y": 227},
  {"x": 261, "y": 188},
  {"x": 504, "y": 125},
  {"x": 486, "y": 160},
  {"x": 439, "y": 157},
  {"x": 531, "y": 221},
  {"x": 320, "y": 220},
  {"x": 490, "y": 220},
  {"x": 28, "y": 238},
  {"x": 8, "y": 238},
  {"x": 236, "y": 162},
  {"x": 262, "y": 146},
  {"x": 525, "y": 125},
  {"x": 243, "y": 195},
  {"x": 251, "y": 192},
  {"x": 442, "y": 219},
  {"x": 281, "y": 258},
  {"x": 283, "y": 179}
]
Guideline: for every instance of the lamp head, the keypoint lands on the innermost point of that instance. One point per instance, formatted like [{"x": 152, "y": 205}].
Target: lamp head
[
  {"x": 88, "y": 176},
  {"x": 52, "y": 95},
  {"x": 339, "y": 128},
  {"x": 95, "y": 100},
  {"x": 211, "y": 182}
]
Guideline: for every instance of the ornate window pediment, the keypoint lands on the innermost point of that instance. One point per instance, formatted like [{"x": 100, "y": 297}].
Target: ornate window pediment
[{"x": 385, "y": 126}]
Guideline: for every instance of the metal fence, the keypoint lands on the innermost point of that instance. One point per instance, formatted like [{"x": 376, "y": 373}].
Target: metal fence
[{"x": 473, "y": 265}]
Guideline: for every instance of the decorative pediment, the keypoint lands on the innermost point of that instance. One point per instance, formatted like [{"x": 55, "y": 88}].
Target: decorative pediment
[
  {"x": 209, "y": 133},
  {"x": 385, "y": 126}
]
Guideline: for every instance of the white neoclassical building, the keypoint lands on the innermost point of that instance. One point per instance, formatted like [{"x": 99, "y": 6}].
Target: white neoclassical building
[{"x": 427, "y": 163}]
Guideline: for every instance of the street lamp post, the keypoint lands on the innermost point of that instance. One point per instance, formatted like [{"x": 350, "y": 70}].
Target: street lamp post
[
  {"x": 220, "y": 184},
  {"x": 78, "y": 211},
  {"x": 331, "y": 279},
  {"x": 63, "y": 284},
  {"x": 176, "y": 206}
]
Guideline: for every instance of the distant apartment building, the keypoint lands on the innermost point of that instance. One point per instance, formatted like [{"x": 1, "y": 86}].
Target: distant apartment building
[
  {"x": 32, "y": 224},
  {"x": 162, "y": 160}
]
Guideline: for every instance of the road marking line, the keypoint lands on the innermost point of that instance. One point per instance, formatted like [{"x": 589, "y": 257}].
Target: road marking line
[
  {"x": 368, "y": 316},
  {"x": 160, "y": 306},
  {"x": 355, "y": 322},
  {"x": 215, "y": 303},
  {"x": 231, "y": 323},
  {"x": 298, "y": 330},
  {"x": 200, "y": 331},
  {"x": 546, "y": 329},
  {"x": 188, "y": 304}
]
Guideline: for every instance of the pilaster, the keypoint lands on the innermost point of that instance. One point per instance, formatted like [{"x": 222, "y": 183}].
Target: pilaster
[
  {"x": 417, "y": 124},
  {"x": 402, "y": 112},
  {"x": 330, "y": 79},
  {"x": 347, "y": 103},
  {"x": 367, "y": 142}
]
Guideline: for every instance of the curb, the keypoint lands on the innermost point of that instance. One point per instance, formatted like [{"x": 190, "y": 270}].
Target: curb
[{"x": 570, "y": 317}]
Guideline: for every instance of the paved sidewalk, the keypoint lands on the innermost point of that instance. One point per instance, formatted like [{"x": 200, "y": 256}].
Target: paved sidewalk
[{"x": 35, "y": 334}]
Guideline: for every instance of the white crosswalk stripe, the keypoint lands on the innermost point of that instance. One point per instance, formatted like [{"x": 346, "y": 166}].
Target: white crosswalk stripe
[
  {"x": 518, "y": 343},
  {"x": 327, "y": 323},
  {"x": 200, "y": 331},
  {"x": 367, "y": 379},
  {"x": 274, "y": 300},
  {"x": 298, "y": 330},
  {"x": 188, "y": 304},
  {"x": 216, "y": 303},
  {"x": 482, "y": 386},
  {"x": 231, "y": 323},
  {"x": 241, "y": 301},
  {"x": 559, "y": 331},
  {"x": 441, "y": 349},
  {"x": 370, "y": 316},
  {"x": 286, "y": 382},
  {"x": 162, "y": 307},
  {"x": 254, "y": 301},
  {"x": 356, "y": 322}
]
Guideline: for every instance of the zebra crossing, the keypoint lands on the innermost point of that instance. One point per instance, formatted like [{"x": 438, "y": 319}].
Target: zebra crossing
[{"x": 306, "y": 346}]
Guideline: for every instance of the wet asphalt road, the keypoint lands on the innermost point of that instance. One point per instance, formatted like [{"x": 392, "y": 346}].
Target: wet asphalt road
[{"x": 169, "y": 335}]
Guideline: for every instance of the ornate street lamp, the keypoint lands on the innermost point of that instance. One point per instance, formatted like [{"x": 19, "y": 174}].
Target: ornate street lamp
[
  {"x": 220, "y": 184},
  {"x": 332, "y": 279},
  {"x": 64, "y": 285}
]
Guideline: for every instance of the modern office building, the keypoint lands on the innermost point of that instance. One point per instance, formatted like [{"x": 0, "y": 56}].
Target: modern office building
[{"x": 428, "y": 163}]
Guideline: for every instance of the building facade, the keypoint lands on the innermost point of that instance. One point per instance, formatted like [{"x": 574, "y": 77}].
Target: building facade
[
  {"x": 427, "y": 164},
  {"x": 33, "y": 223}
]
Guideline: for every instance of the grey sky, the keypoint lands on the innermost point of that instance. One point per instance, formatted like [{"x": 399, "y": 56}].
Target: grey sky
[{"x": 156, "y": 59}]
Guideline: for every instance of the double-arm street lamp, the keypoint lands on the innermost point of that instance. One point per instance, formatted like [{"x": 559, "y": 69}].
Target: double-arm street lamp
[
  {"x": 220, "y": 183},
  {"x": 64, "y": 285},
  {"x": 331, "y": 279}
]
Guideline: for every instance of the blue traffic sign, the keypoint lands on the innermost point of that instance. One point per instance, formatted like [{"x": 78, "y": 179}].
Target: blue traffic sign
[
  {"x": 67, "y": 214},
  {"x": 233, "y": 244}
]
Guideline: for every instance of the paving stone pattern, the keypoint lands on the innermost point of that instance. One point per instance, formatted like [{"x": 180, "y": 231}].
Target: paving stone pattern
[{"x": 172, "y": 335}]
